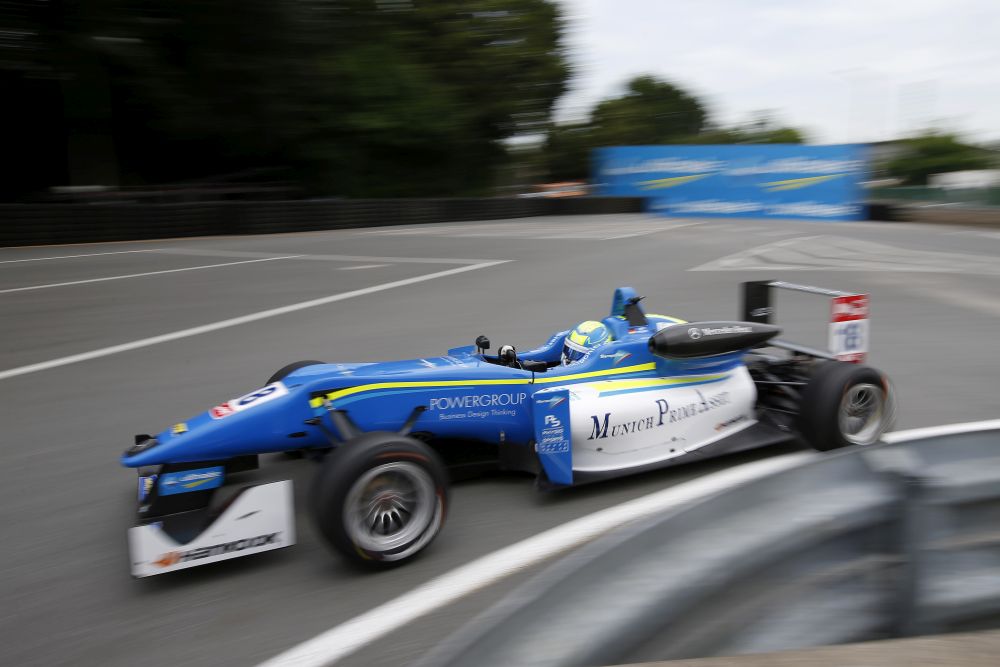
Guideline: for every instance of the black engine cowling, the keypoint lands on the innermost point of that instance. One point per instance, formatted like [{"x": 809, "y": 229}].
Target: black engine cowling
[{"x": 706, "y": 339}]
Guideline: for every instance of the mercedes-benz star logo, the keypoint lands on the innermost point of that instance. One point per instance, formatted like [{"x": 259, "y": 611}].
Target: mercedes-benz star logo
[{"x": 695, "y": 333}]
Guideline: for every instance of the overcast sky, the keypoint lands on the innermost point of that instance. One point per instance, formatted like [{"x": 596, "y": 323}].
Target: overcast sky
[{"x": 842, "y": 70}]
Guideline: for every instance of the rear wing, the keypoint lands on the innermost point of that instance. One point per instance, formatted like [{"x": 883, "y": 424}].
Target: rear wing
[{"x": 848, "y": 331}]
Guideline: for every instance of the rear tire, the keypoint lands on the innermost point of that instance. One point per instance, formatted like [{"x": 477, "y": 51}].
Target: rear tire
[
  {"x": 845, "y": 404},
  {"x": 285, "y": 371},
  {"x": 380, "y": 499}
]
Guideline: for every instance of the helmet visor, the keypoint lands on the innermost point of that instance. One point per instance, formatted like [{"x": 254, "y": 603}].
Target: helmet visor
[{"x": 573, "y": 352}]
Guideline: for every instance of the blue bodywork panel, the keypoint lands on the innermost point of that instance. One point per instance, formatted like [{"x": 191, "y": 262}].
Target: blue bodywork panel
[
  {"x": 464, "y": 395},
  {"x": 552, "y": 434}
]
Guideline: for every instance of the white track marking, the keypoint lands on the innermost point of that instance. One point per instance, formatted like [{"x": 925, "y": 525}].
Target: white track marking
[
  {"x": 837, "y": 253},
  {"x": 93, "y": 254},
  {"x": 341, "y": 641},
  {"x": 589, "y": 230},
  {"x": 363, "y": 266},
  {"x": 937, "y": 431},
  {"x": 236, "y": 321},
  {"x": 198, "y": 252},
  {"x": 653, "y": 231},
  {"x": 140, "y": 275}
]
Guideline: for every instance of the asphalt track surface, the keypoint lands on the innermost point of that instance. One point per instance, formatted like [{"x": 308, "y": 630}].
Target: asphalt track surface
[{"x": 66, "y": 504}]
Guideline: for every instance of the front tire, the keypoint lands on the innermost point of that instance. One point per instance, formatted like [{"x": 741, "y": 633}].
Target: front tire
[
  {"x": 845, "y": 404},
  {"x": 380, "y": 499},
  {"x": 285, "y": 371}
]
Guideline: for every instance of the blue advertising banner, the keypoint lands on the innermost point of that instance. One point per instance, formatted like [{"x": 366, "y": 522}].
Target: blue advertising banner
[{"x": 752, "y": 181}]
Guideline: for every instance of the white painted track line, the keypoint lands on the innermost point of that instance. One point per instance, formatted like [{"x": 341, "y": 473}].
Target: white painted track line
[
  {"x": 653, "y": 231},
  {"x": 93, "y": 254},
  {"x": 249, "y": 254},
  {"x": 140, "y": 275},
  {"x": 363, "y": 266},
  {"x": 343, "y": 640},
  {"x": 236, "y": 321},
  {"x": 938, "y": 431}
]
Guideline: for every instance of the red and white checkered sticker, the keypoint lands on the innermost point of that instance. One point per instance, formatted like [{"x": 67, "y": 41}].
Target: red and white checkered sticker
[{"x": 849, "y": 327}]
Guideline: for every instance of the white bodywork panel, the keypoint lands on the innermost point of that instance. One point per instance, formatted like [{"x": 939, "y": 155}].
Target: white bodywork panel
[
  {"x": 612, "y": 430},
  {"x": 260, "y": 519}
]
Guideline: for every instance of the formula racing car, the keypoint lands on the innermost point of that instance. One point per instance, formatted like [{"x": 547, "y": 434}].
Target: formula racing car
[{"x": 389, "y": 436}]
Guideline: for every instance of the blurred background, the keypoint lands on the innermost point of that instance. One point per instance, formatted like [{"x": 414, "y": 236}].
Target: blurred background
[
  {"x": 404, "y": 98},
  {"x": 129, "y": 120}
]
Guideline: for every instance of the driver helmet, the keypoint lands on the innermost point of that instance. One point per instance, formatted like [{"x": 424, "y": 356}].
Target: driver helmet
[{"x": 582, "y": 339}]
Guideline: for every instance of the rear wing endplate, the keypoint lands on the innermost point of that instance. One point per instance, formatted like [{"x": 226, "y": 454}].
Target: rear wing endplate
[{"x": 848, "y": 330}]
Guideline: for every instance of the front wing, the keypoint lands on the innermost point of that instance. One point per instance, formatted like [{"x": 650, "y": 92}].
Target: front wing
[{"x": 260, "y": 518}]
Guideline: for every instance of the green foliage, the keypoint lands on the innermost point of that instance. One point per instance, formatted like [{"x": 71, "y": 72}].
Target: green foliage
[
  {"x": 352, "y": 97},
  {"x": 935, "y": 153},
  {"x": 567, "y": 150},
  {"x": 651, "y": 112}
]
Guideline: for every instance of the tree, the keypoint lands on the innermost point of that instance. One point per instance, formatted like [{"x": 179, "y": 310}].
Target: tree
[
  {"x": 935, "y": 153},
  {"x": 351, "y": 97},
  {"x": 650, "y": 112}
]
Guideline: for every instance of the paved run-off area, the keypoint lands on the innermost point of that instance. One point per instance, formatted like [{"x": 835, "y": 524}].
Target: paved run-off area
[{"x": 103, "y": 341}]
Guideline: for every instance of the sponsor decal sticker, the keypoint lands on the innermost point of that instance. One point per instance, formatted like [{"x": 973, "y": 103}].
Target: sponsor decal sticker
[
  {"x": 176, "y": 557},
  {"x": 665, "y": 414},
  {"x": 220, "y": 411},
  {"x": 551, "y": 402},
  {"x": 251, "y": 400},
  {"x": 730, "y": 422},
  {"x": 618, "y": 357},
  {"x": 849, "y": 327},
  {"x": 553, "y": 437},
  {"x": 478, "y": 406},
  {"x": 145, "y": 486},
  {"x": 185, "y": 481},
  {"x": 697, "y": 332},
  {"x": 178, "y": 429}
]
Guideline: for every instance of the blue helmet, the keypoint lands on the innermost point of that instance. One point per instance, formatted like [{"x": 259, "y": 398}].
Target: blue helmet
[{"x": 582, "y": 339}]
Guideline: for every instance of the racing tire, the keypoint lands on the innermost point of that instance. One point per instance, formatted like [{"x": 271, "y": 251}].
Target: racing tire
[
  {"x": 845, "y": 404},
  {"x": 380, "y": 499},
  {"x": 285, "y": 371}
]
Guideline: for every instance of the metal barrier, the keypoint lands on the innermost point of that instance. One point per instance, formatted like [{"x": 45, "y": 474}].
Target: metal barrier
[
  {"x": 35, "y": 224},
  {"x": 893, "y": 540}
]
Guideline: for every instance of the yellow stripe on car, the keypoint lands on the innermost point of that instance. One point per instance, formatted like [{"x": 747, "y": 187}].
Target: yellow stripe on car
[
  {"x": 341, "y": 393},
  {"x": 615, "y": 385},
  {"x": 593, "y": 374}
]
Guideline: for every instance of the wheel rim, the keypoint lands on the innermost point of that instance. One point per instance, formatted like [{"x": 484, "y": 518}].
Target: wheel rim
[
  {"x": 392, "y": 510},
  {"x": 862, "y": 413}
]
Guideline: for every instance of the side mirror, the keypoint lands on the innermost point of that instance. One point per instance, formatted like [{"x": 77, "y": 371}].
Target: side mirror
[{"x": 483, "y": 343}]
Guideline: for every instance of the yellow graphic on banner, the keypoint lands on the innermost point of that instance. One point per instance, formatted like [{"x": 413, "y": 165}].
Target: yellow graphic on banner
[
  {"x": 661, "y": 183},
  {"x": 796, "y": 183}
]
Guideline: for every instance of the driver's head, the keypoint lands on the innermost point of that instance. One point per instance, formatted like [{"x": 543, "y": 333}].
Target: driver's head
[{"x": 583, "y": 338}]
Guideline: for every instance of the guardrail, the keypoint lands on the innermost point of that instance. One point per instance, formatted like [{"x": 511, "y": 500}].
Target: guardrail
[
  {"x": 36, "y": 224},
  {"x": 894, "y": 540}
]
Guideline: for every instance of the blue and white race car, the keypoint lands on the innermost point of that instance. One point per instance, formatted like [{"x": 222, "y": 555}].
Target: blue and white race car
[{"x": 389, "y": 436}]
